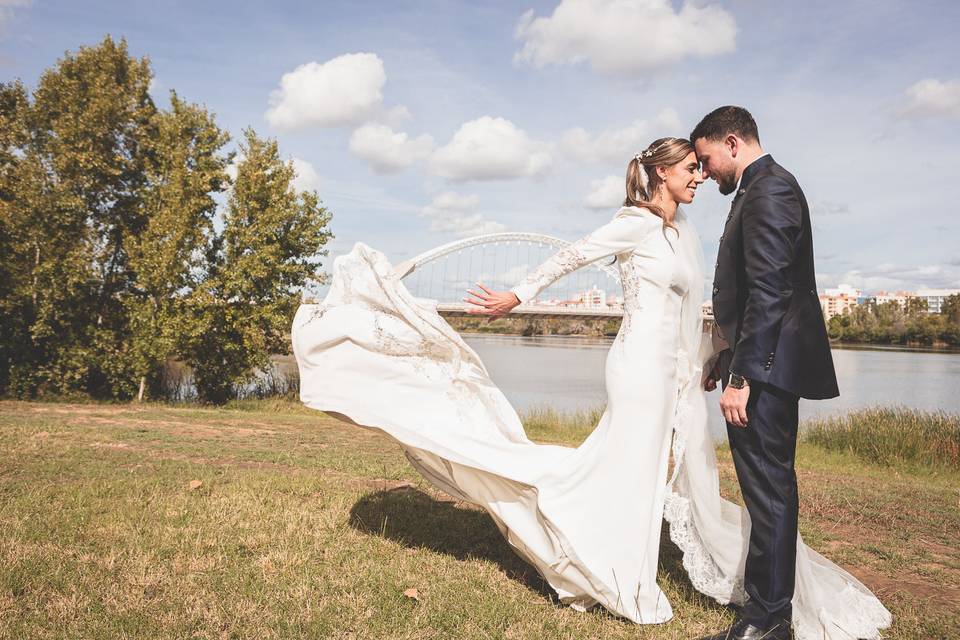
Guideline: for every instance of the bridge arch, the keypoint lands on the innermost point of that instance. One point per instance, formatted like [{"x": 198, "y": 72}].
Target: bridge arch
[{"x": 409, "y": 266}]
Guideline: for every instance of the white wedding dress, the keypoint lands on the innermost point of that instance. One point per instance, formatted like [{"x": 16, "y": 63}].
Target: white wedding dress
[{"x": 587, "y": 518}]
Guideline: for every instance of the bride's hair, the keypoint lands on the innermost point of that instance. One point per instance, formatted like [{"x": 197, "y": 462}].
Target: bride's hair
[{"x": 663, "y": 152}]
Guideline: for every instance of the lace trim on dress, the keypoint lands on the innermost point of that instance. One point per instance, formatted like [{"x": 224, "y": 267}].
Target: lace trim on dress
[
  {"x": 866, "y": 617},
  {"x": 563, "y": 261},
  {"x": 704, "y": 573}
]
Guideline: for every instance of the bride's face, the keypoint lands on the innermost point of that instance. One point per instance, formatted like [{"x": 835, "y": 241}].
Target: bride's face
[{"x": 682, "y": 179}]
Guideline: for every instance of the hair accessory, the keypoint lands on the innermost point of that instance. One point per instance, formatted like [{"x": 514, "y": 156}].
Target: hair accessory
[{"x": 652, "y": 150}]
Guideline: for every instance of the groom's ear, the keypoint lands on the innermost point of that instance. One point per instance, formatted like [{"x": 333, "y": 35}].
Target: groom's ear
[{"x": 732, "y": 143}]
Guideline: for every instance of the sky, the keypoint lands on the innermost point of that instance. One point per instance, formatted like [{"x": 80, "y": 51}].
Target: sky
[{"x": 420, "y": 122}]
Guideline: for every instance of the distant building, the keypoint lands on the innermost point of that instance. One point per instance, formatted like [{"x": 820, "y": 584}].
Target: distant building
[
  {"x": 839, "y": 300},
  {"x": 900, "y": 297},
  {"x": 592, "y": 298},
  {"x": 935, "y": 298},
  {"x": 882, "y": 297}
]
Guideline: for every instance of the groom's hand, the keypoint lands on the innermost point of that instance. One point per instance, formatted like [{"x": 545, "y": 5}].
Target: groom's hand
[
  {"x": 491, "y": 303},
  {"x": 733, "y": 404}
]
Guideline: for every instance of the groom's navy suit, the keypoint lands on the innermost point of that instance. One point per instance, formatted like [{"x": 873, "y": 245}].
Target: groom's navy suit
[{"x": 766, "y": 307}]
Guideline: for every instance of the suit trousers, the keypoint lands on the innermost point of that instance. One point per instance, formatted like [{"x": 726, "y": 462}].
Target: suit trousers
[{"x": 763, "y": 454}]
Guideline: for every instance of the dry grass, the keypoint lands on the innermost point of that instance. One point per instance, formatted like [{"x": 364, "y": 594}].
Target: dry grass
[
  {"x": 893, "y": 436},
  {"x": 265, "y": 520}
]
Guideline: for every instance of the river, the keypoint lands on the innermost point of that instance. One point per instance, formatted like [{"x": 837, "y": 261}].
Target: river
[{"x": 566, "y": 373}]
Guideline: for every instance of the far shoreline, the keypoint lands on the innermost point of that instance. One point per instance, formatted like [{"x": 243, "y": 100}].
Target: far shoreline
[{"x": 851, "y": 346}]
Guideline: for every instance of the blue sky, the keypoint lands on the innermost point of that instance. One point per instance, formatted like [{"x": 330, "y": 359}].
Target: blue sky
[{"x": 420, "y": 122}]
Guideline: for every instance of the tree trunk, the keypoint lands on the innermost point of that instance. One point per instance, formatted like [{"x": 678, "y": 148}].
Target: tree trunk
[
  {"x": 143, "y": 384},
  {"x": 36, "y": 267}
]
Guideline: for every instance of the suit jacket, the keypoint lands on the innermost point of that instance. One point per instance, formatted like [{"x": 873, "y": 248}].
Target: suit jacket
[{"x": 765, "y": 301}]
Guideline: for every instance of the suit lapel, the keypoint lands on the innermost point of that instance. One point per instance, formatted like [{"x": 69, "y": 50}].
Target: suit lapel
[{"x": 746, "y": 179}]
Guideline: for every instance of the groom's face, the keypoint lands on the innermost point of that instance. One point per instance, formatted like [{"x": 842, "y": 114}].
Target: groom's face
[{"x": 717, "y": 163}]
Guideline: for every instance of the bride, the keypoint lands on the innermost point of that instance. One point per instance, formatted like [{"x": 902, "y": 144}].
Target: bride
[{"x": 587, "y": 518}]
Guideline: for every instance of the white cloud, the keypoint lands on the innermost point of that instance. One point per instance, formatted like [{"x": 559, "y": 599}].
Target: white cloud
[
  {"x": 395, "y": 116},
  {"x": 7, "y": 9},
  {"x": 490, "y": 149},
  {"x": 618, "y": 145},
  {"x": 231, "y": 169},
  {"x": 155, "y": 85},
  {"x": 306, "y": 178},
  {"x": 829, "y": 208},
  {"x": 453, "y": 213},
  {"x": 625, "y": 36},
  {"x": 932, "y": 97},
  {"x": 305, "y": 175},
  {"x": 894, "y": 277},
  {"x": 344, "y": 91},
  {"x": 388, "y": 151},
  {"x": 606, "y": 193}
]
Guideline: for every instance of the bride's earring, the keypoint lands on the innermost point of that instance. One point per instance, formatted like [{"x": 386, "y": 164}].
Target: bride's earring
[{"x": 658, "y": 194}]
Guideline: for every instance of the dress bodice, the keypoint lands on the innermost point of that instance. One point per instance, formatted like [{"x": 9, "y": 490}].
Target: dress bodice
[
  {"x": 653, "y": 273},
  {"x": 652, "y": 270}
]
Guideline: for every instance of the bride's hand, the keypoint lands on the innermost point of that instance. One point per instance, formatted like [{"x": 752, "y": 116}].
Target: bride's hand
[
  {"x": 491, "y": 303},
  {"x": 712, "y": 378}
]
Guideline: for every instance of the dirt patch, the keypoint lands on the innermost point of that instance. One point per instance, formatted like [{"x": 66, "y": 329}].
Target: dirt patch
[
  {"x": 72, "y": 409},
  {"x": 170, "y": 426},
  {"x": 883, "y": 586},
  {"x": 110, "y": 445}
]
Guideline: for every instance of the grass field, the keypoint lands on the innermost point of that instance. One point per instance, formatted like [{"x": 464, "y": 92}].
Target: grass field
[{"x": 266, "y": 520}]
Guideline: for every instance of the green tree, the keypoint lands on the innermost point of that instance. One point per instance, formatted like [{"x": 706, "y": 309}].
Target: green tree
[
  {"x": 267, "y": 252},
  {"x": 74, "y": 204},
  {"x": 13, "y": 137},
  {"x": 111, "y": 261},
  {"x": 184, "y": 170},
  {"x": 951, "y": 320},
  {"x": 951, "y": 309}
]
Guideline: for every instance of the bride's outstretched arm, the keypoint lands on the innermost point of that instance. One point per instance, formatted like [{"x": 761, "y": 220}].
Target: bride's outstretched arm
[{"x": 621, "y": 234}]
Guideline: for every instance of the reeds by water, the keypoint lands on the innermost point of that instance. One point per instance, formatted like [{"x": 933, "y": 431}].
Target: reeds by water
[{"x": 892, "y": 436}]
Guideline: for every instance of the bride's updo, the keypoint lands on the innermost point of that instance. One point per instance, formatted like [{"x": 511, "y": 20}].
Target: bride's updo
[{"x": 642, "y": 178}]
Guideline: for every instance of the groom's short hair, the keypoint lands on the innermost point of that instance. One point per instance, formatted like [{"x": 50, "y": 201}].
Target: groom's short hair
[{"x": 726, "y": 120}]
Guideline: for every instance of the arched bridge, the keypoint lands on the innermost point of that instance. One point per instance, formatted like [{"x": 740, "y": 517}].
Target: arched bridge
[{"x": 501, "y": 260}]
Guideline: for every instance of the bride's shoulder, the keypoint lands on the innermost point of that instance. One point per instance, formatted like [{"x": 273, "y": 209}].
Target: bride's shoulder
[{"x": 638, "y": 214}]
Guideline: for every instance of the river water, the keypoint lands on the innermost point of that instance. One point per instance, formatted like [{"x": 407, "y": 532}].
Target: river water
[{"x": 566, "y": 373}]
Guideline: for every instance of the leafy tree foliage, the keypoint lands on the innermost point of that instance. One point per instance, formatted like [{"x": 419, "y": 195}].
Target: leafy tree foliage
[
  {"x": 111, "y": 261},
  {"x": 890, "y": 323},
  {"x": 242, "y": 311}
]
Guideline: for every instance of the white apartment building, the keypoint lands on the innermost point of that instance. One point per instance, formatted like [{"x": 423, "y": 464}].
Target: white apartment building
[
  {"x": 935, "y": 297},
  {"x": 592, "y": 298},
  {"x": 900, "y": 297}
]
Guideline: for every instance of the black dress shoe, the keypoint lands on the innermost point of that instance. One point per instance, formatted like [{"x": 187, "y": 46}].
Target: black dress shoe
[{"x": 743, "y": 630}]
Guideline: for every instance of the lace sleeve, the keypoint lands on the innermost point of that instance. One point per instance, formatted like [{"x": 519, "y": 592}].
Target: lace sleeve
[{"x": 621, "y": 234}]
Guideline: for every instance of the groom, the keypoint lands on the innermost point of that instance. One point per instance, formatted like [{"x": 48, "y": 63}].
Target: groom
[{"x": 766, "y": 308}]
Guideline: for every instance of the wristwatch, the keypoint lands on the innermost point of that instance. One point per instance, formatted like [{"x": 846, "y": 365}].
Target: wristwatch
[{"x": 738, "y": 381}]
